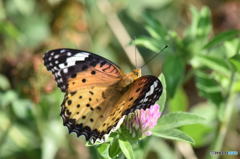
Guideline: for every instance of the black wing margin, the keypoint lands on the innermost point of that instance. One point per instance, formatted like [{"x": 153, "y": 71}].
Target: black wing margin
[
  {"x": 65, "y": 63},
  {"x": 149, "y": 95},
  {"x": 150, "y": 91}
]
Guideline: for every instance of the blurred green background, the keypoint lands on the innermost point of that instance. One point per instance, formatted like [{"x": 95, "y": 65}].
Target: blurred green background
[{"x": 201, "y": 66}]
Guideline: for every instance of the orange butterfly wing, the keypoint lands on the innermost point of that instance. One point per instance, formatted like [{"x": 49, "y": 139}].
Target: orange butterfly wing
[
  {"x": 93, "y": 112},
  {"x": 90, "y": 69},
  {"x": 100, "y": 75},
  {"x": 95, "y": 99},
  {"x": 141, "y": 94}
]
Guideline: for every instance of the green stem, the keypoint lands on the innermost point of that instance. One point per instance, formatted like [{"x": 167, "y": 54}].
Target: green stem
[
  {"x": 3, "y": 137},
  {"x": 229, "y": 107}
]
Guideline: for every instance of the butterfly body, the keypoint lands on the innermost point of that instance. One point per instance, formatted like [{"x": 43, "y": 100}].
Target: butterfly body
[{"x": 97, "y": 93}]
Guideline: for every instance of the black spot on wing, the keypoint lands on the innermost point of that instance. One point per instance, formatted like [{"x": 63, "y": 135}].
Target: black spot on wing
[
  {"x": 57, "y": 62},
  {"x": 85, "y": 130}
]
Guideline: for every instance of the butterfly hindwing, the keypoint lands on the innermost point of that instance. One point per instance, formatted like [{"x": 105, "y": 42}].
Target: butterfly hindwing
[
  {"x": 141, "y": 94},
  {"x": 66, "y": 64},
  {"x": 85, "y": 110},
  {"x": 93, "y": 112}
]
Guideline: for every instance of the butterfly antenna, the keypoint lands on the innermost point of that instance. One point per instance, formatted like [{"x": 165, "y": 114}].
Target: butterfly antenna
[
  {"x": 166, "y": 46},
  {"x": 135, "y": 52}
]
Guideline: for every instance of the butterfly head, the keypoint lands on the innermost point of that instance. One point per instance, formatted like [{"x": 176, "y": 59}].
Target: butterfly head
[
  {"x": 136, "y": 73},
  {"x": 130, "y": 77}
]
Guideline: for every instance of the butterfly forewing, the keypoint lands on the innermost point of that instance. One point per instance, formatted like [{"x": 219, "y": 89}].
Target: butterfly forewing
[{"x": 68, "y": 63}]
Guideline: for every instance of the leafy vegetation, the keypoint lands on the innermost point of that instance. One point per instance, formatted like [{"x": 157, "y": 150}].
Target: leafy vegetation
[{"x": 199, "y": 70}]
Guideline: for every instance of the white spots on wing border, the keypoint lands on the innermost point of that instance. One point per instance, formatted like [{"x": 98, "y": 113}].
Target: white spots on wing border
[
  {"x": 56, "y": 56},
  {"x": 55, "y": 68},
  {"x": 59, "y": 61},
  {"x": 150, "y": 92},
  {"x": 69, "y": 54},
  {"x": 71, "y": 61},
  {"x": 62, "y": 51},
  {"x": 65, "y": 70},
  {"x": 78, "y": 57},
  {"x": 61, "y": 66},
  {"x": 59, "y": 73},
  {"x": 155, "y": 84},
  {"x": 105, "y": 137}
]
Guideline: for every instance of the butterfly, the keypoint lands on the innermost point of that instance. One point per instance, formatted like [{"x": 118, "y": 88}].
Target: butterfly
[{"x": 98, "y": 94}]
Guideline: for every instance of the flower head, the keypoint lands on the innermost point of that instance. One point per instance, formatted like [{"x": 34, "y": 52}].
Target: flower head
[{"x": 142, "y": 121}]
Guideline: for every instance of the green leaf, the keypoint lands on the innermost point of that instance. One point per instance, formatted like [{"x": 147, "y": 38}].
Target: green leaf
[
  {"x": 173, "y": 69},
  {"x": 231, "y": 47},
  {"x": 34, "y": 30},
  {"x": 177, "y": 119},
  {"x": 179, "y": 102},
  {"x": 148, "y": 43},
  {"x": 15, "y": 138},
  {"x": 49, "y": 148},
  {"x": 155, "y": 29},
  {"x": 10, "y": 30},
  {"x": 201, "y": 24},
  {"x": 204, "y": 23},
  {"x": 224, "y": 36},
  {"x": 152, "y": 32},
  {"x": 215, "y": 63},
  {"x": 22, "y": 108},
  {"x": 53, "y": 135},
  {"x": 163, "y": 97},
  {"x": 114, "y": 149},
  {"x": 209, "y": 87},
  {"x": 174, "y": 134},
  {"x": 7, "y": 98},
  {"x": 155, "y": 144},
  {"x": 126, "y": 148},
  {"x": 4, "y": 83},
  {"x": 235, "y": 60},
  {"x": 203, "y": 134},
  {"x": 103, "y": 150}
]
